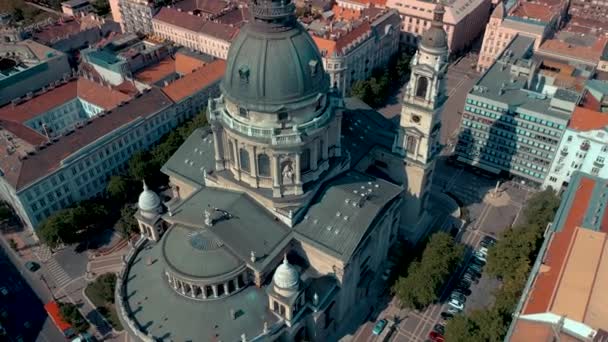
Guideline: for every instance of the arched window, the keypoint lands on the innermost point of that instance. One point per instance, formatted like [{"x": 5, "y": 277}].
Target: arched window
[
  {"x": 263, "y": 165},
  {"x": 244, "y": 156},
  {"x": 422, "y": 86},
  {"x": 305, "y": 160},
  {"x": 411, "y": 144}
]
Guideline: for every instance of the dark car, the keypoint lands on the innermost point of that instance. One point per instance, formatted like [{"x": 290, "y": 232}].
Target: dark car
[
  {"x": 439, "y": 328},
  {"x": 32, "y": 266},
  {"x": 435, "y": 336},
  {"x": 464, "y": 290},
  {"x": 446, "y": 315}
]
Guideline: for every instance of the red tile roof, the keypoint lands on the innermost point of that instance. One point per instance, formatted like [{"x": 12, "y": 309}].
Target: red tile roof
[
  {"x": 82, "y": 88},
  {"x": 329, "y": 46},
  {"x": 185, "y": 64},
  {"x": 586, "y": 119},
  {"x": 156, "y": 72},
  {"x": 48, "y": 159},
  {"x": 196, "y": 81},
  {"x": 196, "y": 24},
  {"x": 542, "y": 293}
]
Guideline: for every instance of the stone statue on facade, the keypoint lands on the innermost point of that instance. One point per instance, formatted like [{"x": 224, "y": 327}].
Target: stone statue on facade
[{"x": 287, "y": 173}]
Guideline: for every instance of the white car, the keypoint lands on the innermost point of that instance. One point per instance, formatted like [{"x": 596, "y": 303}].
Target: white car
[
  {"x": 483, "y": 250},
  {"x": 456, "y": 304},
  {"x": 480, "y": 256}
]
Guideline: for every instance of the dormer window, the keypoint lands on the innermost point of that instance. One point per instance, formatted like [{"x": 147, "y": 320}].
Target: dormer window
[
  {"x": 243, "y": 112},
  {"x": 244, "y": 73},
  {"x": 283, "y": 116},
  {"x": 314, "y": 65}
]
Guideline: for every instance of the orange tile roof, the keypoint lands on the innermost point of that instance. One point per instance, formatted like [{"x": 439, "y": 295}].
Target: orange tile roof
[
  {"x": 326, "y": 46},
  {"x": 89, "y": 91},
  {"x": 588, "y": 53},
  {"x": 195, "y": 81},
  {"x": 341, "y": 13},
  {"x": 329, "y": 46},
  {"x": 537, "y": 11},
  {"x": 527, "y": 331},
  {"x": 541, "y": 296},
  {"x": 585, "y": 119},
  {"x": 156, "y": 72},
  {"x": 48, "y": 159},
  {"x": 185, "y": 64}
]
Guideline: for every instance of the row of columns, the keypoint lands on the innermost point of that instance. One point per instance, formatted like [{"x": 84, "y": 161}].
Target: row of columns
[{"x": 205, "y": 291}]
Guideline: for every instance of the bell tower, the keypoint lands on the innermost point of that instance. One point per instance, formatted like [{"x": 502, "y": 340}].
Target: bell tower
[{"x": 420, "y": 124}]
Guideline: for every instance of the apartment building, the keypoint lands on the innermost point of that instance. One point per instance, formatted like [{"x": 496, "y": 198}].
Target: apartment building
[
  {"x": 353, "y": 48},
  {"x": 120, "y": 58},
  {"x": 62, "y": 145},
  {"x": 77, "y": 7},
  {"x": 71, "y": 34},
  {"x": 502, "y": 27},
  {"x": 584, "y": 146},
  {"x": 192, "y": 31},
  {"x": 136, "y": 15},
  {"x": 564, "y": 298},
  {"x": 28, "y": 66},
  {"x": 516, "y": 114},
  {"x": 464, "y": 20}
]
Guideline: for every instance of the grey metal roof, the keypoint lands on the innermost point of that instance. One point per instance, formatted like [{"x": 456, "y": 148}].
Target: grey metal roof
[
  {"x": 269, "y": 69},
  {"x": 504, "y": 86},
  {"x": 166, "y": 315},
  {"x": 192, "y": 157},
  {"x": 197, "y": 253},
  {"x": 250, "y": 227},
  {"x": 343, "y": 212}
]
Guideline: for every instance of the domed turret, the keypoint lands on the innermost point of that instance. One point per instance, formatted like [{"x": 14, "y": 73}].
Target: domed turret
[
  {"x": 273, "y": 64},
  {"x": 148, "y": 200},
  {"x": 435, "y": 37},
  {"x": 286, "y": 277}
]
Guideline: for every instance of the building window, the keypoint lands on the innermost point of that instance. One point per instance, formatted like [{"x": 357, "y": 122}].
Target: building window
[
  {"x": 421, "y": 87},
  {"x": 305, "y": 160},
  {"x": 243, "y": 112},
  {"x": 244, "y": 157},
  {"x": 283, "y": 116},
  {"x": 411, "y": 144},
  {"x": 320, "y": 152},
  {"x": 263, "y": 165}
]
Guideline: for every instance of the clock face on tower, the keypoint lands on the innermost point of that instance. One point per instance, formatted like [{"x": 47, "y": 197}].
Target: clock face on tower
[{"x": 416, "y": 118}]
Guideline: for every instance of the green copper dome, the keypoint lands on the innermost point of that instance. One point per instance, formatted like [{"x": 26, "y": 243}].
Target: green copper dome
[{"x": 274, "y": 64}]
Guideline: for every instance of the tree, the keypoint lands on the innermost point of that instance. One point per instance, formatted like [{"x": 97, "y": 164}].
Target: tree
[
  {"x": 127, "y": 224},
  {"x": 102, "y": 7},
  {"x": 425, "y": 277},
  {"x": 362, "y": 90},
  {"x": 104, "y": 287},
  {"x": 541, "y": 207},
  {"x": 69, "y": 312},
  {"x": 5, "y": 212},
  {"x": 119, "y": 188}
]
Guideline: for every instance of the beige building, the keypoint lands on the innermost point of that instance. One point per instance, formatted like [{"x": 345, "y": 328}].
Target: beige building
[
  {"x": 534, "y": 19},
  {"x": 350, "y": 53},
  {"x": 192, "y": 31},
  {"x": 464, "y": 20},
  {"x": 77, "y": 7},
  {"x": 136, "y": 15}
]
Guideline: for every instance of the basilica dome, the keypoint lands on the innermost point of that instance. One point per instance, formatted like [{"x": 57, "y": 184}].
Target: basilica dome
[
  {"x": 148, "y": 200},
  {"x": 274, "y": 64}
]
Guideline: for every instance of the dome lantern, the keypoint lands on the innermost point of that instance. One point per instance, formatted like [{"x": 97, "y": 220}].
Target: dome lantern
[
  {"x": 436, "y": 37},
  {"x": 148, "y": 200},
  {"x": 286, "y": 277}
]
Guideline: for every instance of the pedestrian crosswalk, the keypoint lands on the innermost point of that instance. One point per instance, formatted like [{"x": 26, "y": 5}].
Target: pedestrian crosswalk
[{"x": 59, "y": 275}]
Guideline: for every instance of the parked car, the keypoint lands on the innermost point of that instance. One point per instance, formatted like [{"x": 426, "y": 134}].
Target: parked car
[
  {"x": 436, "y": 337},
  {"x": 446, "y": 315},
  {"x": 458, "y": 296},
  {"x": 477, "y": 261},
  {"x": 455, "y": 303},
  {"x": 463, "y": 291},
  {"x": 4, "y": 291},
  {"x": 471, "y": 278},
  {"x": 380, "y": 325},
  {"x": 439, "y": 328},
  {"x": 480, "y": 256},
  {"x": 488, "y": 241},
  {"x": 453, "y": 311},
  {"x": 475, "y": 268},
  {"x": 483, "y": 250},
  {"x": 463, "y": 284},
  {"x": 32, "y": 266},
  {"x": 386, "y": 274}
]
